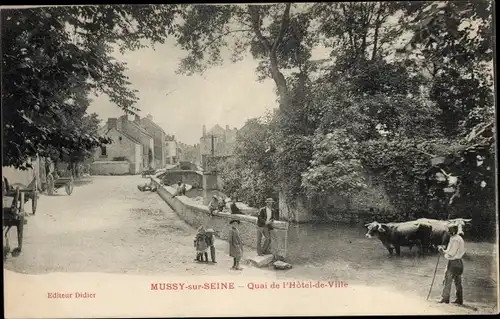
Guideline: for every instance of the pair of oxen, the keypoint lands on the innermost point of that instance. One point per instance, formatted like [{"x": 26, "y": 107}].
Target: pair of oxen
[{"x": 424, "y": 233}]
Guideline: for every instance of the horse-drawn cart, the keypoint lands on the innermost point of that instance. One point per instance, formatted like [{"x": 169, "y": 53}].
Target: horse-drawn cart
[
  {"x": 13, "y": 215},
  {"x": 30, "y": 192},
  {"x": 54, "y": 184},
  {"x": 148, "y": 172}
]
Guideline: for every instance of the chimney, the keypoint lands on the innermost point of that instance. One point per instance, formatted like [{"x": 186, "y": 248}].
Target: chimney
[
  {"x": 150, "y": 117},
  {"x": 120, "y": 122},
  {"x": 112, "y": 122},
  {"x": 137, "y": 119},
  {"x": 227, "y": 127},
  {"x": 204, "y": 130}
]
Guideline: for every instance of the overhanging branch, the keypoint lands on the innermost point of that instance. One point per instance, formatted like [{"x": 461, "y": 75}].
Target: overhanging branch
[
  {"x": 223, "y": 35},
  {"x": 255, "y": 18},
  {"x": 285, "y": 21}
]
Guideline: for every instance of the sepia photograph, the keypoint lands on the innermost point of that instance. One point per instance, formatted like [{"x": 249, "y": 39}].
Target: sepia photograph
[{"x": 249, "y": 159}]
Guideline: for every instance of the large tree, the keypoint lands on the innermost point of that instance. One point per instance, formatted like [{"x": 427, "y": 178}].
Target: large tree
[
  {"x": 398, "y": 115},
  {"x": 280, "y": 38},
  {"x": 54, "y": 56}
]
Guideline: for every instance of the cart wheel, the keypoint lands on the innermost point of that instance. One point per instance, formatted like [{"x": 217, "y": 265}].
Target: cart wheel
[
  {"x": 34, "y": 202},
  {"x": 69, "y": 187},
  {"x": 21, "y": 220}
]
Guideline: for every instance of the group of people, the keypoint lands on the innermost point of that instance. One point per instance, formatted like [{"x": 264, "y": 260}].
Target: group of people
[
  {"x": 218, "y": 204},
  {"x": 181, "y": 189},
  {"x": 205, "y": 238}
]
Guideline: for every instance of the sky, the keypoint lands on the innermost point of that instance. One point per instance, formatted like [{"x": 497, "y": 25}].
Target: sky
[{"x": 225, "y": 95}]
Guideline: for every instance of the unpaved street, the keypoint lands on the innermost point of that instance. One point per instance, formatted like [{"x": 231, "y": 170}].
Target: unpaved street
[{"x": 108, "y": 226}]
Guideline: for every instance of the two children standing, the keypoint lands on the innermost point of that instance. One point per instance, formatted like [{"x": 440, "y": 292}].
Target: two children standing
[{"x": 205, "y": 239}]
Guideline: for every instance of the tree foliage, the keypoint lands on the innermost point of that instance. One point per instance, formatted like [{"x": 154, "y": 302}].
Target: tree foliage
[
  {"x": 417, "y": 118},
  {"x": 373, "y": 108},
  {"x": 54, "y": 57},
  {"x": 250, "y": 175}
]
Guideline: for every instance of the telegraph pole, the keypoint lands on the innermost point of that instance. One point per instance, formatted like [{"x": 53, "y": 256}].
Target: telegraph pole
[{"x": 213, "y": 150}]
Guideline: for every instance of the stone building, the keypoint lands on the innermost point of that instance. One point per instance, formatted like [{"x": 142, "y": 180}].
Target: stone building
[
  {"x": 171, "y": 156},
  {"x": 159, "y": 139},
  {"x": 216, "y": 144},
  {"x": 188, "y": 153},
  {"x": 130, "y": 142}
]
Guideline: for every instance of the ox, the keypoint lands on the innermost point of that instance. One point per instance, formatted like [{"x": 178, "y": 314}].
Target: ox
[
  {"x": 440, "y": 234},
  {"x": 396, "y": 235}
]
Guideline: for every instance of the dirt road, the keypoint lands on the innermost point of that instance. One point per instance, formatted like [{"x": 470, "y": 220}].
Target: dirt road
[{"x": 108, "y": 226}]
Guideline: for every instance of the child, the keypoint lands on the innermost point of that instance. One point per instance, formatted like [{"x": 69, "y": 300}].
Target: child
[
  {"x": 200, "y": 242},
  {"x": 210, "y": 235},
  {"x": 235, "y": 245},
  {"x": 213, "y": 206}
]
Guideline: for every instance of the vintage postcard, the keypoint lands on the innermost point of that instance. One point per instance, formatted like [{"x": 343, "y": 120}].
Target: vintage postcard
[{"x": 281, "y": 159}]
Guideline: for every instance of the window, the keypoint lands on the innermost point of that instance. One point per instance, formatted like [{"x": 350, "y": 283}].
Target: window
[
  {"x": 120, "y": 138},
  {"x": 103, "y": 151}
]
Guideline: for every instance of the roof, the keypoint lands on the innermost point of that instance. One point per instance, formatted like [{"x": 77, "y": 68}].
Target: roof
[
  {"x": 124, "y": 134},
  {"x": 216, "y": 130},
  {"x": 141, "y": 129},
  {"x": 156, "y": 125}
]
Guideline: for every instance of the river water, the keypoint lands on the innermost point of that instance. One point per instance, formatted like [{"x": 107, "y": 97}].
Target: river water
[{"x": 336, "y": 251}]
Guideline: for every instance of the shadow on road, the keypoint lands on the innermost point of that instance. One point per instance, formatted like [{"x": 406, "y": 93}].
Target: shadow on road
[{"x": 81, "y": 182}]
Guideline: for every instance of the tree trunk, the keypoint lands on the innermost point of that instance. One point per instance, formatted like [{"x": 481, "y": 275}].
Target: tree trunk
[
  {"x": 375, "y": 36},
  {"x": 276, "y": 74}
]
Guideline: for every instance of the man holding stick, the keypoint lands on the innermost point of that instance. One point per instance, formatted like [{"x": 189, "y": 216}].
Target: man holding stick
[
  {"x": 455, "y": 268},
  {"x": 264, "y": 226}
]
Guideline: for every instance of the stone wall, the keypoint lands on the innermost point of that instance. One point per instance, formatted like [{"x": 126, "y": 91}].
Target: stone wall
[
  {"x": 110, "y": 168},
  {"x": 192, "y": 178},
  {"x": 196, "y": 214},
  {"x": 210, "y": 182},
  {"x": 121, "y": 146}
]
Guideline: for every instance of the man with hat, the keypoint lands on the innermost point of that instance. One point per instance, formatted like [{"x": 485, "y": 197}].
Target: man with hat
[
  {"x": 265, "y": 220},
  {"x": 455, "y": 268},
  {"x": 210, "y": 235}
]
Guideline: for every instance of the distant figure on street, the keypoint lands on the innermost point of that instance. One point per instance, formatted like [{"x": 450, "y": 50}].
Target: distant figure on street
[
  {"x": 235, "y": 244},
  {"x": 234, "y": 209},
  {"x": 455, "y": 268},
  {"x": 200, "y": 243},
  {"x": 265, "y": 220},
  {"x": 213, "y": 206},
  {"x": 181, "y": 189},
  {"x": 210, "y": 236}
]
